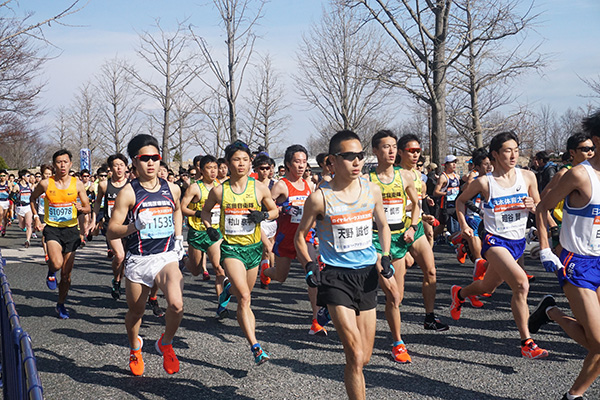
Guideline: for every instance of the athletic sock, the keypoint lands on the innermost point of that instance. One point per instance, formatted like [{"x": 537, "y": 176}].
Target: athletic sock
[
  {"x": 523, "y": 341},
  {"x": 430, "y": 317},
  {"x": 459, "y": 296},
  {"x": 255, "y": 346},
  {"x": 398, "y": 343},
  {"x": 570, "y": 396},
  {"x": 546, "y": 311}
]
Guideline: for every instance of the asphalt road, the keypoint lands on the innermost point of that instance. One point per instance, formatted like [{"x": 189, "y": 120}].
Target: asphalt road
[{"x": 86, "y": 356}]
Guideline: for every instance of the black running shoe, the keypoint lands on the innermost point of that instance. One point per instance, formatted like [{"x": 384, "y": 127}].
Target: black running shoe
[
  {"x": 156, "y": 308},
  {"x": 115, "y": 292},
  {"x": 576, "y": 398},
  {"x": 539, "y": 317},
  {"x": 435, "y": 325}
]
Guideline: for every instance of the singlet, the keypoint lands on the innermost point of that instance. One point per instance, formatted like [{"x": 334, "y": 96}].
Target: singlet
[
  {"x": 452, "y": 188},
  {"x": 394, "y": 200},
  {"x": 420, "y": 191},
  {"x": 235, "y": 207},
  {"x": 195, "y": 222},
  {"x": 59, "y": 207},
  {"x": 296, "y": 198},
  {"x": 4, "y": 192},
  {"x": 24, "y": 194},
  {"x": 476, "y": 201},
  {"x": 580, "y": 231},
  {"x": 109, "y": 198},
  {"x": 345, "y": 234},
  {"x": 504, "y": 214},
  {"x": 157, "y": 237},
  {"x": 557, "y": 213},
  {"x": 41, "y": 204}
]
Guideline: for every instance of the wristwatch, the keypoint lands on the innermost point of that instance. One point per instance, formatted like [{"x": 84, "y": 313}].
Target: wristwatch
[{"x": 414, "y": 227}]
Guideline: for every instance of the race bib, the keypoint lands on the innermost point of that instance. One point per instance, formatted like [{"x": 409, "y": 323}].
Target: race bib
[
  {"x": 297, "y": 202},
  {"x": 452, "y": 193},
  {"x": 512, "y": 215},
  {"x": 394, "y": 210},
  {"x": 162, "y": 223},
  {"x": 352, "y": 231},
  {"x": 109, "y": 206},
  {"x": 236, "y": 222},
  {"x": 594, "y": 242},
  {"x": 215, "y": 216},
  {"x": 409, "y": 203},
  {"x": 60, "y": 212}
]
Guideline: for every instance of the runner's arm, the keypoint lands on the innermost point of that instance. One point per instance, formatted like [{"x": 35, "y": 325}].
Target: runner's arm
[
  {"x": 214, "y": 197},
  {"x": 85, "y": 207},
  {"x": 437, "y": 191},
  {"x": 37, "y": 192},
  {"x": 177, "y": 217},
  {"x": 473, "y": 189},
  {"x": 192, "y": 192},
  {"x": 124, "y": 202},
  {"x": 313, "y": 207},
  {"x": 383, "y": 229},
  {"x": 267, "y": 201}
]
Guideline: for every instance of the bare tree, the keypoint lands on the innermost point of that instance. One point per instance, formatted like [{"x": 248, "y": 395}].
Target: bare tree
[
  {"x": 62, "y": 135},
  {"x": 239, "y": 20},
  {"x": 119, "y": 106},
  {"x": 335, "y": 61},
  {"x": 185, "y": 124},
  {"x": 212, "y": 135},
  {"x": 594, "y": 86},
  {"x": 85, "y": 119},
  {"x": 168, "y": 54},
  {"x": 267, "y": 119}
]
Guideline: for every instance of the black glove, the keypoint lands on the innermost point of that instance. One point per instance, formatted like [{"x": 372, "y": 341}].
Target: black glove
[
  {"x": 198, "y": 214},
  {"x": 313, "y": 274},
  {"x": 213, "y": 234},
  {"x": 387, "y": 270},
  {"x": 257, "y": 216},
  {"x": 555, "y": 233}
]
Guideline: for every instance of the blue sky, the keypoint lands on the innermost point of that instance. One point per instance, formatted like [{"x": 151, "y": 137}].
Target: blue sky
[{"x": 105, "y": 28}]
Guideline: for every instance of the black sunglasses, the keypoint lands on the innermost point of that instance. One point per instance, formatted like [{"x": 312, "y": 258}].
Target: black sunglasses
[
  {"x": 148, "y": 157},
  {"x": 350, "y": 155},
  {"x": 585, "y": 149}
]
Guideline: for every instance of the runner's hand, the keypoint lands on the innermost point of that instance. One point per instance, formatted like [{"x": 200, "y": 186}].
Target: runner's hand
[
  {"x": 550, "y": 261},
  {"x": 143, "y": 219},
  {"x": 179, "y": 247},
  {"x": 313, "y": 274},
  {"x": 257, "y": 216},
  {"x": 213, "y": 234},
  {"x": 387, "y": 270}
]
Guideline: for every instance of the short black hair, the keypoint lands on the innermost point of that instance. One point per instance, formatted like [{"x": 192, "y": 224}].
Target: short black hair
[
  {"x": 405, "y": 139},
  {"x": 61, "y": 152},
  {"x": 382, "y": 134},
  {"x": 543, "y": 156},
  {"x": 499, "y": 139},
  {"x": 238, "y": 145},
  {"x": 164, "y": 164},
  {"x": 479, "y": 155},
  {"x": 574, "y": 140},
  {"x": 3, "y": 171},
  {"x": 221, "y": 161},
  {"x": 22, "y": 173},
  {"x": 207, "y": 159},
  {"x": 139, "y": 141},
  {"x": 335, "y": 143},
  {"x": 101, "y": 170},
  {"x": 84, "y": 171},
  {"x": 114, "y": 157},
  {"x": 260, "y": 160},
  {"x": 321, "y": 158},
  {"x": 591, "y": 124},
  {"x": 290, "y": 151}
]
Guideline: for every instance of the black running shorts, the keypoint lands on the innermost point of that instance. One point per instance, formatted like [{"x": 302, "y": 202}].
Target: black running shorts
[
  {"x": 67, "y": 237},
  {"x": 352, "y": 288}
]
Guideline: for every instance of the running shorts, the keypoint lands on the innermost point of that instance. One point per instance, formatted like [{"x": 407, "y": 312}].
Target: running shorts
[
  {"x": 580, "y": 271},
  {"x": 68, "y": 237},
  {"x": 399, "y": 247},
  {"x": 514, "y": 247},
  {"x": 352, "y": 288},
  {"x": 250, "y": 255}
]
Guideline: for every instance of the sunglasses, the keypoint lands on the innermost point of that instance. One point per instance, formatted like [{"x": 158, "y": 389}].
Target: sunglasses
[
  {"x": 103, "y": 175},
  {"x": 2, "y": 176},
  {"x": 419, "y": 165},
  {"x": 585, "y": 149},
  {"x": 413, "y": 150},
  {"x": 148, "y": 157},
  {"x": 265, "y": 168},
  {"x": 85, "y": 176},
  {"x": 38, "y": 176},
  {"x": 350, "y": 155}
]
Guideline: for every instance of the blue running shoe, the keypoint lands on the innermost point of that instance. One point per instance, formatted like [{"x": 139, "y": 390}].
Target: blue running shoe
[
  {"x": 222, "y": 313},
  {"x": 225, "y": 295},
  {"x": 62, "y": 312},
  {"x": 51, "y": 280},
  {"x": 260, "y": 356},
  {"x": 323, "y": 317}
]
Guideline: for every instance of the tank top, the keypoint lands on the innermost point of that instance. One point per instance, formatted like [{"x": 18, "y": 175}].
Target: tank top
[
  {"x": 24, "y": 195},
  {"x": 580, "y": 230},
  {"x": 452, "y": 188},
  {"x": 504, "y": 214},
  {"x": 59, "y": 207},
  {"x": 345, "y": 235},
  {"x": 394, "y": 200},
  {"x": 41, "y": 204},
  {"x": 157, "y": 237},
  {"x": 195, "y": 222},
  {"x": 4, "y": 192},
  {"x": 557, "y": 213},
  {"x": 420, "y": 191},
  {"x": 235, "y": 207},
  {"x": 109, "y": 198},
  {"x": 296, "y": 198}
]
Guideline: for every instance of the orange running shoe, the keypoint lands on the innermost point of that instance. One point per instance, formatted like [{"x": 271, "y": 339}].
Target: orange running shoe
[
  {"x": 316, "y": 329},
  {"x": 461, "y": 254},
  {"x": 400, "y": 354},
  {"x": 456, "y": 305},
  {"x": 475, "y": 302},
  {"x": 136, "y": 363},
  {"x": 170, "y": 361},
  {"x": 531, "y": 350},
  {"x": 479, "y": 269},
  {"x": 264, "y": 280},
  {"x": 530, "y": 278}
]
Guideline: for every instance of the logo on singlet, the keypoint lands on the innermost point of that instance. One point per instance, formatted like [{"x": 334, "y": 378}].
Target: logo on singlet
[{"x": 518, "y": 188}]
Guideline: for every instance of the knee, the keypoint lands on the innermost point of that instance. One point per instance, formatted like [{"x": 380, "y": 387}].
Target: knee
[
  {"x": 521, "y": 288},
  {"x": 429, "y": 275},
  {"x": 244, "y": 300},
  {"x": 393, "y": 299},
  {"x": 176, "y": 306},
  {"x": 356, "y": 359}
]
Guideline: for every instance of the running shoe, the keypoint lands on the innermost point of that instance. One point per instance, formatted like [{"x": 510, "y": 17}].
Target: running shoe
[
  {"x": 435, "y": 324},
  {"x": 156, "y": 310},
  {"x": 539, "y": 316},
  {"x": 479, "y": 269},
  {"x": 81, "y": 241},
  {"x": 205, "y": 276},
  {"x": 486, "y": 295},
  {"x": 316, "y": 329},
  {"x": 264, "y": 280},
  {"x": 323, "y": 317},
  {"x": 222, "y": 313},
  {"x": 51, "y": 280},
  {"x": 457, "y": 304},
  {"x": 531, "y": 350},
  {"x": 225, "y": 295},
  {"x": 46, "y": 258},
  {"x": 3, "y": 231},
  {"x": 400, "y": 354},
  {"x": 109, "y": 254},
  {"x": 89, "y": 237},
  {"x": 461, "y": 254},
  {"x": 170, "y": 361},
  {"x": 530, "y": 278},
  {"x": 475, "y": 302},
  {"x": 115, "y": 291},
  {"x": 62, "y": 312},
  {"x": 26, "y": 244},
  {"x": 34, "y": 236},
  {"x": 136, "y": 362},
  {"x": 260, "y": 356},
  {"x": 575, "y": 398}
]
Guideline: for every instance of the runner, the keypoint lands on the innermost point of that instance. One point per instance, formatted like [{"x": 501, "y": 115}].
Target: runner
[
  {"x": 86, "y": 224},
  {"x": 508, "y": 194},
  {"x": 580, "y": 189},
  {"x": 343, "y": 210},
  {"x": 447, "y": 189},
  {"x": 198, "y": 240},
  {"x": 154, "y": 246},
  {"x": 4, "y": 202},
  {"x": 290, "y": 193},
  {"x": 60, "y": 215},
  {"x": 45, "y": 173},
  {"x": 240, "y": 197},
  {"x": 223, "y": 170},
  {"x": 409, "y": 149},
  {"x": 22, "y": 190}
]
